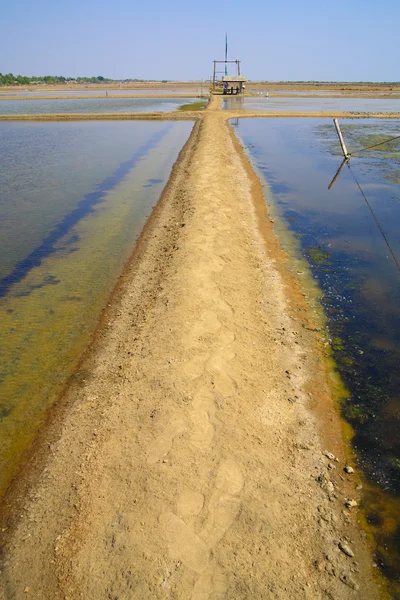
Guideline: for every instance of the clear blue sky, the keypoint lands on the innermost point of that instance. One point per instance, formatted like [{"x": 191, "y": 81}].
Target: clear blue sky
[{"x": 356, "y": 40}]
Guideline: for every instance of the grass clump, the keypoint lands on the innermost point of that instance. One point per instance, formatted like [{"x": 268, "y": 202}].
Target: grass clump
[{"x": 200, "y": 105}]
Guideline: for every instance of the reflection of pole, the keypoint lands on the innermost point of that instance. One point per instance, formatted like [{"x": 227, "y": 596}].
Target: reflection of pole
[
  {"x": 344, "y": 162},
  {"x": 341, "y": 140}
]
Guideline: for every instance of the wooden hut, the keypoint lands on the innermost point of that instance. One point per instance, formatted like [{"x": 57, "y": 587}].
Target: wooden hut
[
  {"x": 230, "y": 84},
  {"x": 233, "y": 84}
]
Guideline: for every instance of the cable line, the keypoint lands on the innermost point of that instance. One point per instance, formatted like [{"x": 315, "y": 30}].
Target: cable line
[
  {"x": 374, "y": 145},
  {"x": 375, "y": 218}
]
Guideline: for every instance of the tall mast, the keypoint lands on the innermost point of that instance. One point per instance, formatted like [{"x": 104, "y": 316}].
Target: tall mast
[{"x": 226, "y": 53}]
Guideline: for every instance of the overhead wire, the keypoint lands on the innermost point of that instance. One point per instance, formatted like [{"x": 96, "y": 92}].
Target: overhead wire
[
  {"x": 374, "y": 145},
  {"x": 375, "y": 218}
]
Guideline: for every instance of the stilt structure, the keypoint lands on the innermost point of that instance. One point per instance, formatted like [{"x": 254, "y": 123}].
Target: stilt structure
[{"x": 229, "y": 84}]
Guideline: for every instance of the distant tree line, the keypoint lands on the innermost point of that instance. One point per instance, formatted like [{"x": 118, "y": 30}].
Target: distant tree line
[{"x": 10, "y": 79}]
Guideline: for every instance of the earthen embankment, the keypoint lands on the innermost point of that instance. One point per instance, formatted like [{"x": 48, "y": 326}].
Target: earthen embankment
[{"x": 190, "y": 462}]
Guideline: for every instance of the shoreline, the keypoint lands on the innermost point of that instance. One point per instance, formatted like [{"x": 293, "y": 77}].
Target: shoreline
[
  {"x": 192, "y": 115},
  {"x": 250, "y": 95},
  {"x": 189, "y": 85},
  {"x": 207, "y": 277}
]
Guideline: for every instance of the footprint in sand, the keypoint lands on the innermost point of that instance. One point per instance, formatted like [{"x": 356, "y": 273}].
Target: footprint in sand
[
  {"x": 211, "y": 585},
  {"x": 194, "y": 549},
  {"x": 163, "y": 443},
  {"x": 218, "y": 363},
  {"x": 203, "y": 409},
  {"x": 195, "y": 368},
  {"x": 224, "y": 503},
  {"x": 183, "y": 543},
  {"x": 207, "y": 323}
]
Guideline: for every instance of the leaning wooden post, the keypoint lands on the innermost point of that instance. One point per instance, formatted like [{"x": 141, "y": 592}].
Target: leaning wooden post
[{"x": 341, "y": 140}]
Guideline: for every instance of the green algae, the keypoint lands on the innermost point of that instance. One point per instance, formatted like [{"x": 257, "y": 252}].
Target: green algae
[
  {"x": 200, "y": 105},
  {"x": 385, "y": 153},
  {"x": 317, "y": 255}
]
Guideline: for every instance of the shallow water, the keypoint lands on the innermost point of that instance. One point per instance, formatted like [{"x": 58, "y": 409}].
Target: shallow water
[
  {"x": 100, "y": 92},
  {"x": 313, "y": 104},
  {"x": 91, "y": 105},
  {"x": 74, "y": 199},
  {"x": 360, "y": 280},
  {"x": 318, "y": 92}
]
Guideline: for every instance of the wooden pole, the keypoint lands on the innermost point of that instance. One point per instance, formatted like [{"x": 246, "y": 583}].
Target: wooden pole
[{"x": 341, "y": 140}]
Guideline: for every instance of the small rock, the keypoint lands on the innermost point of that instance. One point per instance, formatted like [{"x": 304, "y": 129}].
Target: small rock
[
  {"x": 320, "y": 565},
  {"x": 26, "y": 590},
  {"x": 350, "y": 503},
  {"x": 348, "y": 469},
  {"x": 348, "y": 580},
  {"x": 331, "y": 466},
  {"x": 329, "y": 455},
  {"x": 345, "y": 548}
]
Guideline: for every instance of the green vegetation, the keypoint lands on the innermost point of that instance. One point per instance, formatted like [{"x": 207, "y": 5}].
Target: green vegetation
[
  {"x": 194, "y": 105},
  {"x": 10, "y": 79},
  {"x": 317, "y": 255},
  {"x": 337, "y": 344},
  {"x": 384, "y": 153},
  {"x": 355, "y": 413}
]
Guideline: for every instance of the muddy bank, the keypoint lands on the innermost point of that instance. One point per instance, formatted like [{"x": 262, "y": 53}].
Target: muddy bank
[
  {"x": 284, "y": 86},
  {"x": 152, "y": 116},
  {"x": 193, "y": 114},
  {"x": 189, "y": 459}
]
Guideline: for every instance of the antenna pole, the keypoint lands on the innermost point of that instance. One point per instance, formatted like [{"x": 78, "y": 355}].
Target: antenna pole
[{"x": 226, "y": 53}]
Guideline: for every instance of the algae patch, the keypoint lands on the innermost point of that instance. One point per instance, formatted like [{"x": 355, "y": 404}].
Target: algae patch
[
  {"x": 317, "y": 255},
  {"x": 200, "y": 105}
]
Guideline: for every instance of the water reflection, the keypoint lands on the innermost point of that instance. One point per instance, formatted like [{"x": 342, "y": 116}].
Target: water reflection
[
  {"x": 91, "y": 105},
  {"x": 314, "y": 104},
  {"x": 74, "y": 199},
  {"x": 101, "y": 92}
]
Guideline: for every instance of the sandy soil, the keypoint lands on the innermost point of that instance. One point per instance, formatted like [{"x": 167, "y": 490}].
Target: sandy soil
[
  {"x": 193, "y": 115},
  {"x": 194, "y": 86},
  {"x": 187, "y": 459}
]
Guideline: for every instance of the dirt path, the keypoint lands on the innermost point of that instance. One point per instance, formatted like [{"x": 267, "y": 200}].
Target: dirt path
[{"x": 187, "y": 462}]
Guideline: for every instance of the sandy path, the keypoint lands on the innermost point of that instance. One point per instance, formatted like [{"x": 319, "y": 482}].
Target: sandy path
[{"x": 187, "y": 462}]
